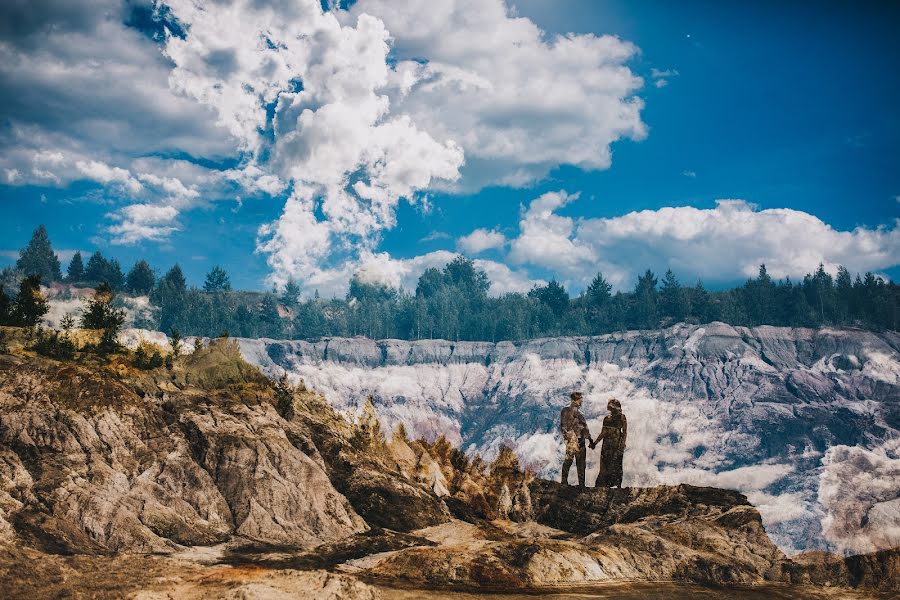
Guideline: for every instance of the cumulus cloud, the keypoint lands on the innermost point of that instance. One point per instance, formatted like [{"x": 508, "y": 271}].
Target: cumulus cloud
[
  {"x": 78, "y": 82},
  {"x": 143, "y": 222},
  {"x": 480, "y": 240},
  {"x": 344, "y": 112},
  {"x": 723, "y": 243},
  {"x": 103, "y": 173},
  {"x": 333, "y": 135},
  {"x": 545, "y": 238},
  {"x": 518, "y": 100},
  {"x": 86, "y": 96}
]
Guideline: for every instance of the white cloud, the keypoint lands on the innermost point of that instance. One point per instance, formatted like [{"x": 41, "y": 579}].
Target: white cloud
[
  {"x": 723, "y": 243},
  {"x": 80, "y": 84},
  {"x": 732, "y": 240},
  {"x": 517, "y": 100},
  {"x": 333, "y": 135},
  {"x": 480, "y": 240},
  {"x": 545, "y": 238},
  {"x": 661, "y": 76},
  {"x": 435, "y": 236},
  {"x": 139, "y": 222},
  {"x": 103, "y": 173}
]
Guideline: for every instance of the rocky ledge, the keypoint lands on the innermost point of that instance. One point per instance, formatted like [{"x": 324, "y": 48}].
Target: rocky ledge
[{"x": 209, "y": 479}]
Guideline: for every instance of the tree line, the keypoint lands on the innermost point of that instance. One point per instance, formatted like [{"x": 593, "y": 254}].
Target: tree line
[{"x": 453, "y": 302}]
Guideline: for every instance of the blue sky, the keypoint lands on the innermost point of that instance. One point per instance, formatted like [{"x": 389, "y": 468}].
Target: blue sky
[{"x": 791, "y": 113}]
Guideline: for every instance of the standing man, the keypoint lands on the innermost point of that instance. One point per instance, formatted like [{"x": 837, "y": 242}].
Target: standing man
[
  {"x": 575, "y": 432},
  {"x": 615, "y": 430}
]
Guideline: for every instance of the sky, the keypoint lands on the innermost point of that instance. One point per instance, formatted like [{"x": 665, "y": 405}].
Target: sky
[{"x": 315, "y": 141}]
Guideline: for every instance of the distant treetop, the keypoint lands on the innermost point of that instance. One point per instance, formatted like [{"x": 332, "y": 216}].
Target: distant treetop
[{"x": 38, "y": 258}]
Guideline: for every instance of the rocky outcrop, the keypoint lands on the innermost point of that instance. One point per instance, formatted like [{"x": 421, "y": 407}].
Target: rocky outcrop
[
  {"x": 786, "y": 415},
  {"x": 90, "y": 465},
  {"x": 210, "y": 464}
]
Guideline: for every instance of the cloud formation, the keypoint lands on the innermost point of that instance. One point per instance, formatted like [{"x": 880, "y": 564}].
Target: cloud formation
[
  {"x": 517, "y": 100},
  {"x": 480, "y": 240},
  {"x": 723, "y": 243}
]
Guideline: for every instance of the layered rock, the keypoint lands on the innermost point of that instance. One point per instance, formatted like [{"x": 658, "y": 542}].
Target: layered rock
[
  {"x": 770, "y": 411},
  {"x": 88, "y": 464}
]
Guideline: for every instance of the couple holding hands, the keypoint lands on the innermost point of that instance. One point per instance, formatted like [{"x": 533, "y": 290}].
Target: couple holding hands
[{"x": 576, "y": 435}]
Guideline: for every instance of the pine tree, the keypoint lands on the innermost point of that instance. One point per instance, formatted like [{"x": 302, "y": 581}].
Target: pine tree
[
  {"x": 99, "y": 312},
  {"x": 644, "y": 310},
  {"x": 599, "y": 291},
  {"x": 843, "y": 295},
  {"x": 30, "y": 305},
  {"x": 701, "y": 305},
  {"x": 673, "y": 302},
  {"x": 175, "y": 279},
  {"x": 96, "y": 269},
  {"x": 175, "y": 342},
  {"x": 113, "y": 275},
  {"x": 553, "y": 295},
  {"x": 140, "y": 278},
  {"x": 38, "y": 258},
  {"x": 290, "y": 296},
  {"x": 75, "y": 272},
  {"x": 217, "y": 280},
  {"x": 5, "y": 308}
]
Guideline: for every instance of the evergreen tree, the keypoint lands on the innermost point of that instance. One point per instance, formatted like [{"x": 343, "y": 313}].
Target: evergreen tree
[
  {"x": 599, "y": 292},
  {"x": 75, "y": 272},
  {"x": 217, "y": 280},
  {"x": 701, "y": 305},
  {"x": 673, "y": 301},
  {"x": 174, "y": 279},
  {"x": 820, "y": 292},
  {"x": 113, "y": 275},
  {"x": 290, "y": 296},
  {"x": 758, "y": 298},
  {"x": 598, "y": 297},
  {"x": 30, "y": 305},
  {"x": 553, "y": 295},
  {"x": 99, "y": 313},
  {"x": 175, "y": 342},
  {"x": 38, "y": 258},
  {"x": 97, "y": 268},
  {"x": 644, "y": 310},
  {"x": 5, "y": 308},
  {"x": 843, "y": 290},
  {"x": 140, "y": 278}
]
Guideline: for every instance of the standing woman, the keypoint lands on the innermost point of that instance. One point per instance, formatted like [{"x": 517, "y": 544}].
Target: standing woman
[{"x": 615, "y": 430}]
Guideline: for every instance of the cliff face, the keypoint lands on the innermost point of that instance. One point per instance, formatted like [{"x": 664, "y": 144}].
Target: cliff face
[
  {"x": 88, "y": 464},
  {"x": 211, "y": 464},
  {"x": 805, "y": 422}
]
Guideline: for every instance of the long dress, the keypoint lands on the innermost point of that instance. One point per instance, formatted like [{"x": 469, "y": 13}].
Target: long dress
[{"x": 615, "y": 431}]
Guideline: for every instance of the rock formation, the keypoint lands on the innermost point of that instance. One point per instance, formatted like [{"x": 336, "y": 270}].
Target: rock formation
[
  {"x": 210, "y": 480},
  {"x": 788, "y": 416}
]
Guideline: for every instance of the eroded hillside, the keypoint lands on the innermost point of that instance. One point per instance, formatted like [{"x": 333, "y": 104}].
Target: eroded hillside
[{"x": 208, "y": 478}]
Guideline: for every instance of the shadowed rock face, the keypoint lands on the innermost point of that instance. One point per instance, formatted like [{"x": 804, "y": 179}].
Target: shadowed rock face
[{"x": 788, "y": 416}]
